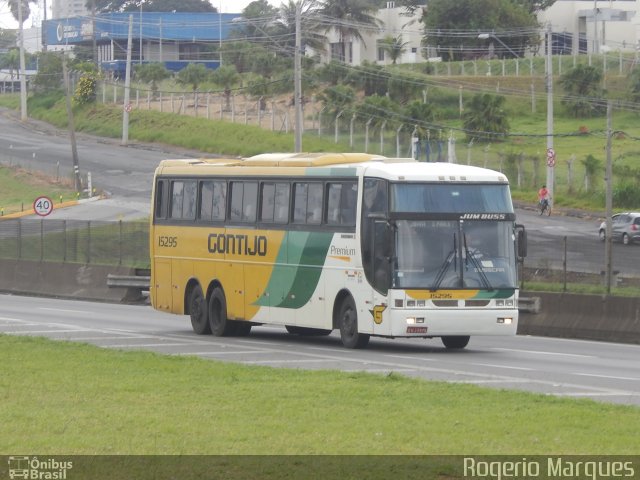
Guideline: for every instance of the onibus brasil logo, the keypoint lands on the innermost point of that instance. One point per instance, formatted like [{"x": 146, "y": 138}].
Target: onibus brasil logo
[{"x": 38, "y": 469}]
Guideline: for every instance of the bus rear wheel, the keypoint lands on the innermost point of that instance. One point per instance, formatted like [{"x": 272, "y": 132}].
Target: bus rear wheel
[
  {"x": 348, "y": 322},
  {"x": 198, "y": 312},
  {"x": 220, "y": 326},
  {"x": 455, "y": 342}
]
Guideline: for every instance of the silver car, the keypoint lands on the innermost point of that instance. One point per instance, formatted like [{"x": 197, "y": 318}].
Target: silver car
[{"x": 624, "y": 227}]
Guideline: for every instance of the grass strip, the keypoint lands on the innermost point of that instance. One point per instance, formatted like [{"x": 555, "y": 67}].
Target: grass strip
[{"x": 71, "y": 398}]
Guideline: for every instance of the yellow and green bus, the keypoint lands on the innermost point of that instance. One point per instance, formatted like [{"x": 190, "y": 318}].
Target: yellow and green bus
[{"x": 363, "y": 244}]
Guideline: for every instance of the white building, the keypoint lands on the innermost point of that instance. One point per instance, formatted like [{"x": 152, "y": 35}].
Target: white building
[
  {"x": 68, "y": 8},
  {"x": 394, "y": 22},
  {"x": 616, "y": 26}
]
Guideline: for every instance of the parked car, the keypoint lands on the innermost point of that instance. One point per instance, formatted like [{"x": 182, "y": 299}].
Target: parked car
[{"x": 625, "y": 227}]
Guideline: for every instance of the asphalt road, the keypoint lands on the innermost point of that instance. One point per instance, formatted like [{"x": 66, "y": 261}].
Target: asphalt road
[{"x": 601, "y": 371}]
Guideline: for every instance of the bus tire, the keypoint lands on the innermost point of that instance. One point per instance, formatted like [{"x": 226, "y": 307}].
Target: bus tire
[
  {"x": 455, "y": 342},
  {"x": 220, "y": 326},
  {"x": 348, "y": 322},
  {"x": 198, "y": 312}
]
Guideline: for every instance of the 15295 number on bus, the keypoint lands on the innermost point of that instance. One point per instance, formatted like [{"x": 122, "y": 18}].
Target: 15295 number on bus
[{"x": 164, "y": 241}]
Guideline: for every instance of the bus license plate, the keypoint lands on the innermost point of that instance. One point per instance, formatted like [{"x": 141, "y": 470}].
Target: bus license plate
[{"x": 416, "y": 329}]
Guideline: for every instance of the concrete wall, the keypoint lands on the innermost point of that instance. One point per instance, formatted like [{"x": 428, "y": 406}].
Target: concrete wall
[
  {"x": 589, "y": 317},
  {"x": 63, "y": 280}
]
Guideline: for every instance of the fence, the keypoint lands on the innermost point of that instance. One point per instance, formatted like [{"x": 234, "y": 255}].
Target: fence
[{"x": 75, "y": 241}]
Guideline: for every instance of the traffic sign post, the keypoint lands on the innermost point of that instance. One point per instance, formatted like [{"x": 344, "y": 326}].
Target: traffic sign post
[
  {"x": 551, "y": 157},
  {"x": 42, "y": 206}
]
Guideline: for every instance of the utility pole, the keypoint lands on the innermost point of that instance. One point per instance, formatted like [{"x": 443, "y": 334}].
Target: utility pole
[
  {"x": 127, "y": 87},
  {"x": 44, "y": 45},
  {"x": 23, "y": 76},
  {"x": 298, "y": 80},
  {"x": 608, "y": 203},
  {"x": 550, "y": 165},
  {"x": 72, "y": 128}
]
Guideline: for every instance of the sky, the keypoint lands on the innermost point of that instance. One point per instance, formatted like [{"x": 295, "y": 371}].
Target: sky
[{"x": 226, "y": 6}]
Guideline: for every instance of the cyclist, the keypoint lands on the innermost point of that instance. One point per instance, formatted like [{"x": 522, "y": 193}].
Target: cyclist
[{"x": 543, "y": 198}]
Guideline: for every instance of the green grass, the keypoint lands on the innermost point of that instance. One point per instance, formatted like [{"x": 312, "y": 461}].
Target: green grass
[
  {"x": 20, "y": 187},
  {"x": 71, "y": 398}
]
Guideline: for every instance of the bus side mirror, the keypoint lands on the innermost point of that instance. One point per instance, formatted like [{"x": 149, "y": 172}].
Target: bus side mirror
[{"x": 521, "y": 241}]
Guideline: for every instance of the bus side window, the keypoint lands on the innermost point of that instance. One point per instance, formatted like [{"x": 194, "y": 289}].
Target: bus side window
[
  {"x": 348, "y": 204},
  {"x": 205, "y": 200},
  {"x": 189, "y": 201},
  {"x": 281, "y": 208},
  {"x": 161, "y": 199},
  {"x": 219, "y": 207},
  {"x": 267, "y": 202},
  {"x": 177, "y": 196},
  {"x": 314, "y": 204}
]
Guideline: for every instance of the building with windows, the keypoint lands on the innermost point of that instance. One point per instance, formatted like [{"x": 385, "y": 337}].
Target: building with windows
[
  {"x": 175, "y": 39},
  {"x": 593, "y": 26},
  {"x": 68, "y": 8}
]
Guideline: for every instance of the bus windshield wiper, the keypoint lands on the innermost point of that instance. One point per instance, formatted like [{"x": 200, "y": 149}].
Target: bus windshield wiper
[
  {"x": 451, "y": 257},
  {"x": 476, "y": 264}
]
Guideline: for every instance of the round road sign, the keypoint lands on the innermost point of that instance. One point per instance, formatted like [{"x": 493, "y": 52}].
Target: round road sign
[
  {"x": 551, "y": 157},
  {"x": 42, "y": 206}
]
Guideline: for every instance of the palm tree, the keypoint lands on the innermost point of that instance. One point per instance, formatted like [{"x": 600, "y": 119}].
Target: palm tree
[
  {"x": 348, "y": 18},
  {"x": 394, "y": 47},
  {"x": 485, "y": 118}
]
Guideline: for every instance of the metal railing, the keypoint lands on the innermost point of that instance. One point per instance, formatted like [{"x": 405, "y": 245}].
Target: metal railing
[{"x": 76, "y": 241}]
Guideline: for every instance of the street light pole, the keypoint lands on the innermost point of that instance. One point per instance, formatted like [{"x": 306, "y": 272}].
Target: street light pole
[
  {"x": 298, "y": 80},
  {"x": 550, "y": 164},
  {"x": 484, "y": 36}
]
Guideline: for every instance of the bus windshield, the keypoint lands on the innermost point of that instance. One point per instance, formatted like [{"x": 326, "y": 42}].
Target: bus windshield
[
  {"x": 450, "y": 198},
  {"x": 433, "y": 254}
]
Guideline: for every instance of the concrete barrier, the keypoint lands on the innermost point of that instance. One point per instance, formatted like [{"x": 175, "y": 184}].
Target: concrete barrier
[
  {"x": 63, "y": 280},
  {"x": 587, "y": 317}
]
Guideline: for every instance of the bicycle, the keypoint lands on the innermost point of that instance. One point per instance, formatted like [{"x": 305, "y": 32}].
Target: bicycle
[{"x": 544, "y": 207}]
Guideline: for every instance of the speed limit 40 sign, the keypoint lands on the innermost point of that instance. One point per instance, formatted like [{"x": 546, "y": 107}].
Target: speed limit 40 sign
[{"x": 42, "y": 206}]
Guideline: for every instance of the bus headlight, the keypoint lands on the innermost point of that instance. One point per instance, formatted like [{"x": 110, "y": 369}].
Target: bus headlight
[
  {"x": 414, "y": 320},
  {"x": 505, "y": 320}
]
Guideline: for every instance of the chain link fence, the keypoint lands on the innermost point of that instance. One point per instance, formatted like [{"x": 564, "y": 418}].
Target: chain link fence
[{"x": 76, "y": 241}]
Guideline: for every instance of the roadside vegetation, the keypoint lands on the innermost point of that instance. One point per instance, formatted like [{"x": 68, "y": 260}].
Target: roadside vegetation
[{"x": 98, "y": 401}]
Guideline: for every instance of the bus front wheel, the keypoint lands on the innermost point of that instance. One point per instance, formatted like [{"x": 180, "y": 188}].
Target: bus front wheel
[
  {"x": 455, "y": 342},
  {"x": 220, "y": 326},
  {"x": 348, "y": 321},
  {"x": 198, "y": 312}
]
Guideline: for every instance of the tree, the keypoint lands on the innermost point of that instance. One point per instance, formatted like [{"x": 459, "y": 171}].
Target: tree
[
  {"x": 583, "y": 91},
  {"x": 8, "y": 39},
  {"x": 226, "y": 76},
  {"x": 535, "y": 6},
  {"x": 485, "y": 118},
  {"x": 394, "y": 47},
  {"x": 152, "y": 73},
  {"x": 11, "y": 61},
  {"x": 511, "y": 23},
  {"x": 634, "y": 84},
  {"x": 49, "y": 76},
  {"x": 193, "y": 75},
  {"x": 285, "y": 27},
  {"x": 348, "y": 18},
  {"x": 26, "y": 10}
]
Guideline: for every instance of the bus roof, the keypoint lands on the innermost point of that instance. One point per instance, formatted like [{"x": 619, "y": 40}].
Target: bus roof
[{"x": 398, "y": 169}]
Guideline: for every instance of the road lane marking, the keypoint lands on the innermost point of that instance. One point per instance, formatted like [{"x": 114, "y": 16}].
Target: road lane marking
[
  {"x": 86, "y": 312},
  {"x": 503, "y": 366},
  {"x": 539, "y": 352},
  {"x": 635, "y": 379}
]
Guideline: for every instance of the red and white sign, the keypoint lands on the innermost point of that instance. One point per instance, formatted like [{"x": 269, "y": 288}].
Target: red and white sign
[
  {"x": 42, "y": 206},
  {"x": 128, "y": 107},
  {"x": 551, "y": 157}
]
